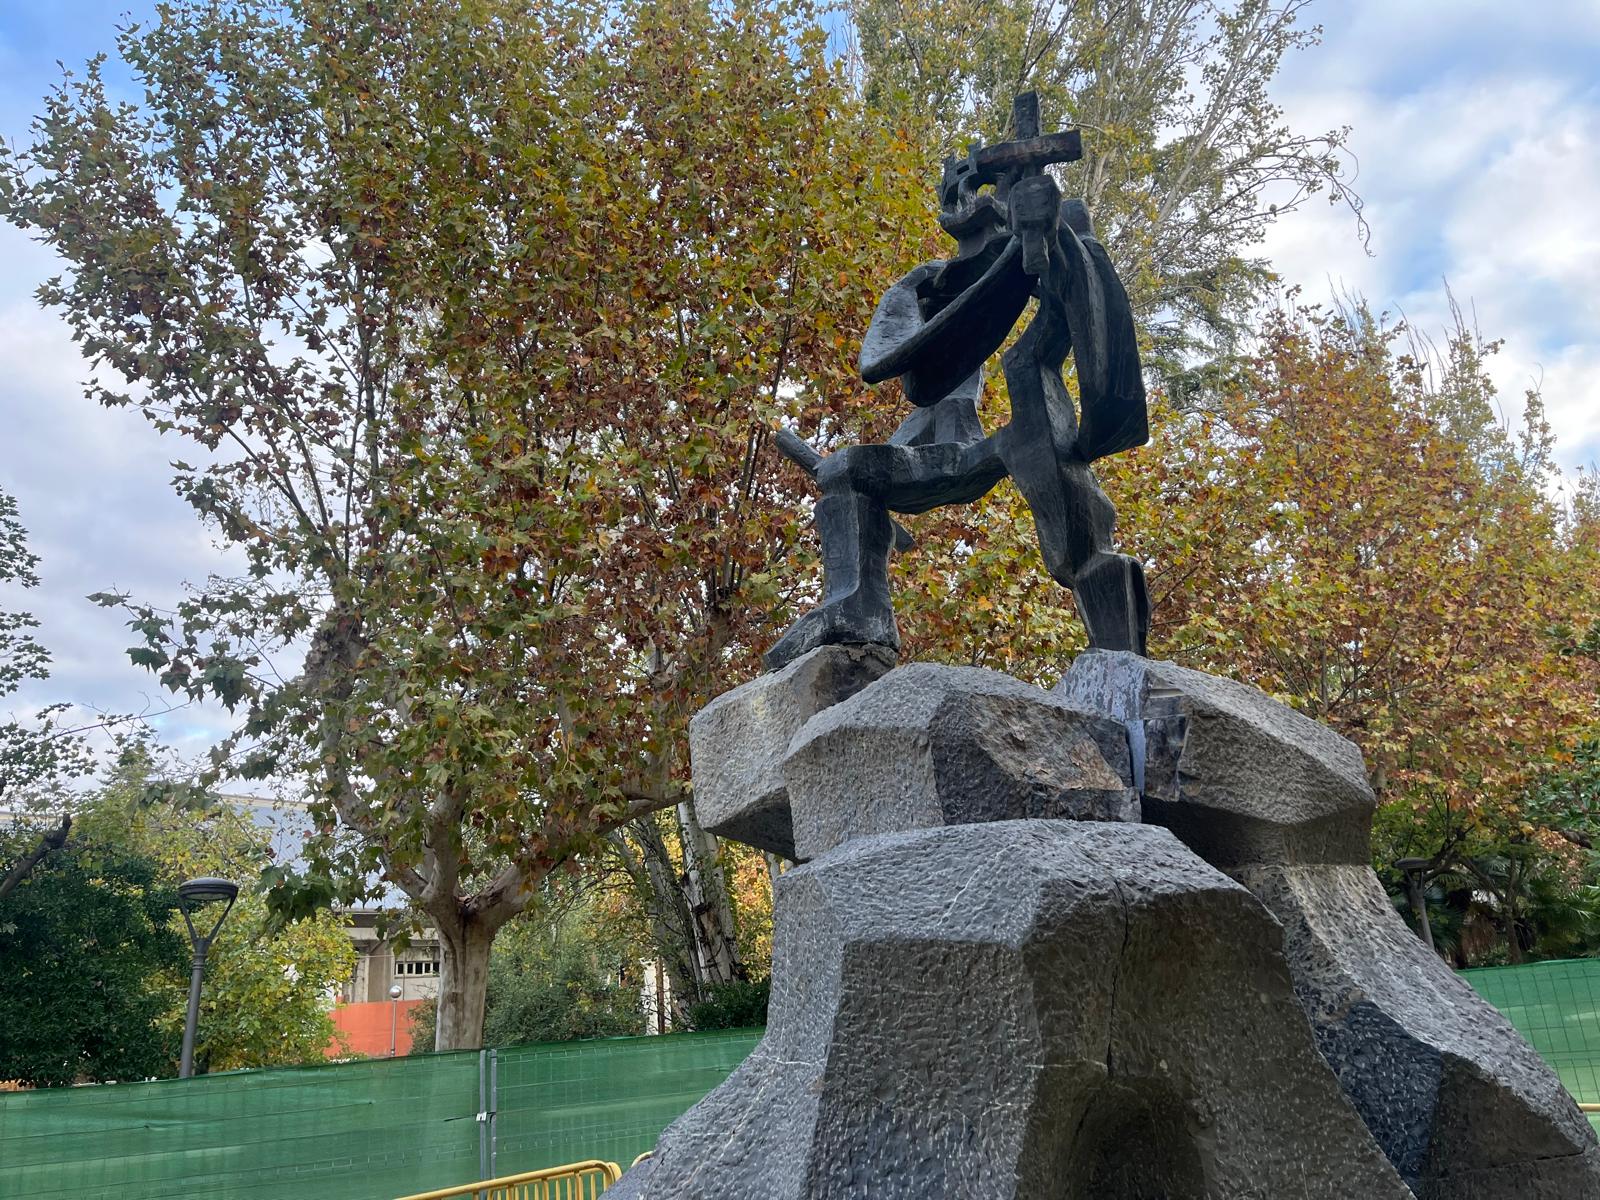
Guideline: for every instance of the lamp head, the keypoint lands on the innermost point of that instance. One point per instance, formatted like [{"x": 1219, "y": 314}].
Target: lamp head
[
  {"x": 194, "y": 892},
  {"x": 1409, "y": 865},
  {"x": 394, "y": 992}
]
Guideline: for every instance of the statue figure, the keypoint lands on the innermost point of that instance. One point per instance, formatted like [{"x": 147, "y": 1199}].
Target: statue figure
[{"x": 933, "y": 330}]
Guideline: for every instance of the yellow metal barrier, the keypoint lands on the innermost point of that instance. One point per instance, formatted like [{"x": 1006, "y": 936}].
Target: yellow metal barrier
[{"x": 575, "y": 1181}]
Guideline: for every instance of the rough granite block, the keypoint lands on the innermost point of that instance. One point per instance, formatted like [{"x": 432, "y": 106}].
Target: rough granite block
[
  {"x": 934, "y": 745},
  {"x": 1022, "y": 1010},
  {"x": 1461, "y": 1104},
  {"x": 737, "y": 742}
]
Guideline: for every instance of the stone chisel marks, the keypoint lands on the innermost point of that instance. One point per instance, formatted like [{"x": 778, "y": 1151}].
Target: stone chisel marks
[
  {"x": 737, "y": 743},
  {"x": 1098, "y": 1016},
  {"x": 934, "y": 745},
  {"x": 1461, "y": 1104}
]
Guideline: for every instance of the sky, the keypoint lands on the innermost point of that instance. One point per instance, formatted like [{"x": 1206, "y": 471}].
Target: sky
[{"x": 1475, "y": 132}]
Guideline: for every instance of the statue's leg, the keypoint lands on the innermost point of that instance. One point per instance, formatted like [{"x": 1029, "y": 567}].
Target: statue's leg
[
  {"x": 860, "y": 486},
  {"x": 856, "y": 607},
  {"x": 1073, "y": 515},
  {"x": 1108, "y": 587}
]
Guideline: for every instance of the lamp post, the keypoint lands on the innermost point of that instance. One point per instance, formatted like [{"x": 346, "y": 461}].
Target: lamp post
[
  {"x": 1413, "y": 869},
  {"x": 394, "y": 1016},
  {"x": 192, "y": 896}
]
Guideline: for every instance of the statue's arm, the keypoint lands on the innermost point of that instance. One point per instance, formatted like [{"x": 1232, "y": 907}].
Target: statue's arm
[
  {"x": 933, "y": 353},
  {"x": 1083, "y": 306}
]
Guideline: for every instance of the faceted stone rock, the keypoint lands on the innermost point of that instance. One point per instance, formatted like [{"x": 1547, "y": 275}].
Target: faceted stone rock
[
  {"x": 1461, "y": 1104},
  {"x": 934, "y": 745},
  {"x": 737, "y": 742},
  {"x": 1049, "y": 1010},
  {"x": 1238, "y": 776}
]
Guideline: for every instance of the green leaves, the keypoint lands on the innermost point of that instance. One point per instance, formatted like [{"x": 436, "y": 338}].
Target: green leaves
[
  {"x": 1186, "y": 162},
  {"x": 37, "y": 755},
  {"x": 90, "y": 942},
  {"x": 478, "y": 315}
]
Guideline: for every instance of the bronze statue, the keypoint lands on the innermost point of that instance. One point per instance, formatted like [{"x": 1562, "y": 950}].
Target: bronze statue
[{"x": 934, "y": 330}]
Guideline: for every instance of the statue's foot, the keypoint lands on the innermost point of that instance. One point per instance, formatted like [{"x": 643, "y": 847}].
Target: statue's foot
[
  {"x": 1112, "y": 600},
  {"x": 841, "y": 622}
]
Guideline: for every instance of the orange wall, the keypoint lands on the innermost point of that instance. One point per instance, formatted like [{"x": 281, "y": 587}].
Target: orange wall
[{"x": 364, "y": 1028}]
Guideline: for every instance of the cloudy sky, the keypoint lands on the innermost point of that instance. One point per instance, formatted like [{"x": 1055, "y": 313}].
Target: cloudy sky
[{"x": 1477, "y": 130}]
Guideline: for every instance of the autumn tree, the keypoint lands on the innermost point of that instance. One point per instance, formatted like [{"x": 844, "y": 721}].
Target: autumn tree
[
  {"x": 1352, "y": 528},
  {"x": 1358, "y": 533},
  {"x": 1186, "y": 158},
  {"x": 1186, "y": 163},
  {"x": 38, "y": 754},
  {"x": 474, "y": 318}
]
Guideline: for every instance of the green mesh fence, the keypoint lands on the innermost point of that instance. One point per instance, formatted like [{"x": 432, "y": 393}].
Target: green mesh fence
[
  {"x": 358, "y": 1131},
  {"x": 573, "y": 1100},
  {"x": 1556, "y": 1006},
  {"x": 387, "y": 1127}
]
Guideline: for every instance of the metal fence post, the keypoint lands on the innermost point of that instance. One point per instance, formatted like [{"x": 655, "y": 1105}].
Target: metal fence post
[
  {"x": 494, "y": 1114},
  {"x": 483, "y": 1117}
]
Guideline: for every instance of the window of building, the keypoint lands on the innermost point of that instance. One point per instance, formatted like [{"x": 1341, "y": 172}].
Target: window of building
[{"x": 416, "y": 967}]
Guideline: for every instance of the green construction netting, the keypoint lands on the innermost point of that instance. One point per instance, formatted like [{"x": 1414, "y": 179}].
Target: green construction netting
[
  {"x": 357, "y": 1131},
  {"x": 1556, "y": 1006},
  {"x": 609, "y": 1099},
  {"x": 386, "y": 1127}
]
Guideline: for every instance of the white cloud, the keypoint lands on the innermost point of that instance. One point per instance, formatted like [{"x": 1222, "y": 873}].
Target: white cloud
[
  {"x": 1477, "y": 130},
  {"x": 1477, "y": 127}
]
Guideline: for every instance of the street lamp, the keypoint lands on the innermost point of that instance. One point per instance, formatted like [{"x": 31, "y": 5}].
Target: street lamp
[
  {"x": 394, "y": 1016},
  {"x": 1413, "y": 869},
  {"x": 192, "y": 896}
]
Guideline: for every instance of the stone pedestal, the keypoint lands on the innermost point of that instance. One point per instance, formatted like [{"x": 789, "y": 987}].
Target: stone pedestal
[
  {"x": 990, "y": 979},
  {"x": 1460, "y": 1103},
  {"x": 738, "y": 742},
  {"x": 1041, "y": 1009},
  {"x": 930, "y": 745}
]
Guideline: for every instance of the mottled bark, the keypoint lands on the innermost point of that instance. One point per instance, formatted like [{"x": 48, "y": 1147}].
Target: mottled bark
[
  {"x": 463, "y": 982},
  {"x": 705, "y": 889}
]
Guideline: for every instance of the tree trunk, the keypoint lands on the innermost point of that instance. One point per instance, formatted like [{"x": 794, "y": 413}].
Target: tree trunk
[
  {"x": 656, "y": 884},
  {"x": 1513, "y": 923},
  {"x": 706, "y": 890},
  {"x": 464, "y": 945}
]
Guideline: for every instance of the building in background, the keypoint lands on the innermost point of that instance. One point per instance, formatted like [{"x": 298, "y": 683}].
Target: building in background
[{"x": 380, "y": 966}]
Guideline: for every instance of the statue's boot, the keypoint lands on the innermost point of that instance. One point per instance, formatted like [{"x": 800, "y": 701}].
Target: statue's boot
[
  {"x": 1113, "y": 601},
  {"x": 856, "y": 609}
]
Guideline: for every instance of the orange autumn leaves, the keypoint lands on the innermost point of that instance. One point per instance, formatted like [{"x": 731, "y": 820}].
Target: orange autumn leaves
[{"x": 1338, "y": 523}]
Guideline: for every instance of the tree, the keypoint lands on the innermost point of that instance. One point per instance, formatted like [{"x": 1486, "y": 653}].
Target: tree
[
  {"x": 88, "y": 943},
  {"x": 1186, "y": 162},
  {"x": 1527, "y": 863},
  {"x": 1352, "y": 529},
  {"x": 38, "y": 755},
  {"x": 1186, "y": 158},
  {"x": 1336, "y": 534},
  {"x": 476, "y": 317},
  {"x": 562, "y": 970},
  {"x": 267, "y": 992}
]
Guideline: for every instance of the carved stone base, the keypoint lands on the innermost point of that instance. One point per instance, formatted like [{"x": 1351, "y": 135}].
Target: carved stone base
[
  {"x": 1026, "y": 1009},
  {"x": 1460, "y": 1103}
]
